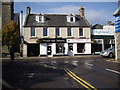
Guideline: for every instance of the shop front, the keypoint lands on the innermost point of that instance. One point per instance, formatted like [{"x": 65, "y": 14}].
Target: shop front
[
  {"x": 101, "y": 43},
  {"x": 79, "y": 46},
  {"x": 52, "y": 47}
]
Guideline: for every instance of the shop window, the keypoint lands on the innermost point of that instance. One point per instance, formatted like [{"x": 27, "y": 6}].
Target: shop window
[
  {"x": 70, "y": 46},
  {"x": 80, "y": 47},
  {"x": 45, "y": 31},
  {"x": 33, "y": 31},
  {"x": 60, "y": 48}
]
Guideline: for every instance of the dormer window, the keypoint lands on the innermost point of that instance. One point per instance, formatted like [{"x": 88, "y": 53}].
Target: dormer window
[
  {"x": 40, "y": 18},
  {"x": 71, "y": 18}
]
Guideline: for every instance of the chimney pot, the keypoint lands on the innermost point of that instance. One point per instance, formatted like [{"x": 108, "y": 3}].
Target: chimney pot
[
  {"x": 81, "y": 11},
  {"x": 28, "y": 10}
]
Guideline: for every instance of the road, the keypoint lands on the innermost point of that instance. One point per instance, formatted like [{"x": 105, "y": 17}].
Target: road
[{"x": 65, "y": 72}]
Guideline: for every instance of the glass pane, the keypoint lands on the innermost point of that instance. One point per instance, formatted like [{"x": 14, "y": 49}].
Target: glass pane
[
  {"x": 80, "y": 32},
  {"x": 45, "y": 32},
  {"x": 57, "y": 31},
  {"x": 32, "y": 31},
  {"x": 69, "y": 31}
]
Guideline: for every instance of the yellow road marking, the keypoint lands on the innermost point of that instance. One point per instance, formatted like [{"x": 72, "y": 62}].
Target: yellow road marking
[
  {"x": 80, "y": 80},
  {"x": 114, "y": 61}
]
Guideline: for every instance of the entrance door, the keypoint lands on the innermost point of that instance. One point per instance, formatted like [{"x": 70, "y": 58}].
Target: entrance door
[
  {"x": 33, "y": 50},
  {"x": 49, "y": 51}
]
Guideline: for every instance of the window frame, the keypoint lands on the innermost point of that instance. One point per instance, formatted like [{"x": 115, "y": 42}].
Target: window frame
[
  {"x": 80, "y": 32},
  {"x": 69, "y": 28},
  {"x": 32, "y": 32},
  {"x": 46, "y": 32},
  {"x": 57, "y": 33}
]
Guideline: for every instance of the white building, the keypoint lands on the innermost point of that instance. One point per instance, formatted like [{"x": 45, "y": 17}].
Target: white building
[
  {"x": 103, "y": 38},
  {"x": 56, "y": 34}
]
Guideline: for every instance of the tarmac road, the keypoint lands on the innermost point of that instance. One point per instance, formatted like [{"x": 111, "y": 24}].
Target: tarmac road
[{"x": 61, "y": 72}]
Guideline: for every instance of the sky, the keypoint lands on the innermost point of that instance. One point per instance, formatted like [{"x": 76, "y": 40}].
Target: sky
[{"x": 95, "y": 12}]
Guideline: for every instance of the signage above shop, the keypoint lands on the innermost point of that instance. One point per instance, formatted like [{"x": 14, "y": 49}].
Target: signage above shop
[
  {"x": 50, "y": 40},
  {"x": 117, "y": 24},
  {"x": 78, "y": 40}
]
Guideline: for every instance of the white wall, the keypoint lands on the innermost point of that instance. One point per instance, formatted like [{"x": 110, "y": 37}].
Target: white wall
[
  {"x": 66, "y": 48},
  {"x": 53, "y": 48},
  {"x": 43, "y": 49},
  {"x": 74, "y": 48},
  {"x": 87, "y": 48},
  {"x": 24, "y": 50}
]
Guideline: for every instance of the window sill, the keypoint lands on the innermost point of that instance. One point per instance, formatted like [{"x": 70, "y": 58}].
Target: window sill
[
  {"x": 46, "y": 37},
  {"x": 70, "y": 37},
  {"x": 58, "y": 37},
  {"x": 33, "y": 37},
  {"x": 82, "y": 37}
]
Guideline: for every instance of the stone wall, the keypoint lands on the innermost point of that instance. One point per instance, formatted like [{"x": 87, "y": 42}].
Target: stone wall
[
  {"x": 7, "y": 12},
  {"x": 117, "y": 37}
]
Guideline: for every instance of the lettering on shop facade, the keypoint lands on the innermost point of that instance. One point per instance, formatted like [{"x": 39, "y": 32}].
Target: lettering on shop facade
[{"x": 53, "y": 40}]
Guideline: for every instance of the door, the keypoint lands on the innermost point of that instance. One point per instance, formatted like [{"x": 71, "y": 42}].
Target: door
[{"x": 49, "y": 51}]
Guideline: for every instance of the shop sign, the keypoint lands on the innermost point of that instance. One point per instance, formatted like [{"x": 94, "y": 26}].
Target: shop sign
[
  {"x": 78, "y": 40},
  {"x": 52, "y": 40},
  {"x": 102, "y": 32},
  {"x": 117, "y": 24}
]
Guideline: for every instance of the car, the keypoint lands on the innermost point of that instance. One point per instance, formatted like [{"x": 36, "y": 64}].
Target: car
[{"x": 110, "y": 52}]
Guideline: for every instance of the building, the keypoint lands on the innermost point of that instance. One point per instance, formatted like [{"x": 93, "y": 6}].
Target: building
[
  {"x": 102, "y": 37},
  {"x": 56, "y": 34},
  {"x": 117, "y": 32},
  {"x": 7, "y": 11},
  {"x": 6, "y": 15}
]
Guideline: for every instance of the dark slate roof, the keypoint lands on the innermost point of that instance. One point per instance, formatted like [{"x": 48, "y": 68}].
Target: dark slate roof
[
  {"x": 56, "y": 20},
  {"x": 97, "y": 26}
]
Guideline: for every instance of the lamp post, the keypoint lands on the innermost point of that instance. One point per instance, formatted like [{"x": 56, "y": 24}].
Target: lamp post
[{"x": 21, "y": 33}]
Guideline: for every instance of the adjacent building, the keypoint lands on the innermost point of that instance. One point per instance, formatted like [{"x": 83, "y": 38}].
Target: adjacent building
[
  {"x": 102, "y": 37},
  {"x": 56, "y": 34},
  {"x": 117, "y": 32}
]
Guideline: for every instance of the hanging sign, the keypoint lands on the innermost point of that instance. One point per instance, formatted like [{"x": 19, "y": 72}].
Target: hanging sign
[{"x": 117, "y": 23}]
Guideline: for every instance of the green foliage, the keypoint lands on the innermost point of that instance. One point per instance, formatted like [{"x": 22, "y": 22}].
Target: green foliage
[{"x": 10, "y": 34}]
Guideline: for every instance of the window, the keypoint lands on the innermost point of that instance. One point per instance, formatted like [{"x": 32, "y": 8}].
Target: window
[
  {"x": 45, "y": 31},
  {"x": 80, "y": 32},
  {"x": 80, "y": 47},
  {"x": 70, "y": 46},
  {"x": 40, "y": 18},
  {"x": 71, "y": 19},
  {"x": 69, "y": 31},
  {"x": 57, "y": 31},
  {"x": 33, "y": 31}
]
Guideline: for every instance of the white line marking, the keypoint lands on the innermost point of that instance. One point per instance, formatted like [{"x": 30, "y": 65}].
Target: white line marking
[
  {"x": 89, "y": 64},
  {"x": 112, "y": 71}
]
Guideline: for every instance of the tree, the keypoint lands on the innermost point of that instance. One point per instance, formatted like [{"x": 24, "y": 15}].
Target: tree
[{"x": 10, "y": 34}]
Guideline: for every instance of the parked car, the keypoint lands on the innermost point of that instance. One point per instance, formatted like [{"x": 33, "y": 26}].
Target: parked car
[{"x": 110, "y": 52}]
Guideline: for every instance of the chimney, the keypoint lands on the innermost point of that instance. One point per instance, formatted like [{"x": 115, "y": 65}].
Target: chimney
[
  {"x": 81, "y": 11},
  {"x": 28, "y": 11}
]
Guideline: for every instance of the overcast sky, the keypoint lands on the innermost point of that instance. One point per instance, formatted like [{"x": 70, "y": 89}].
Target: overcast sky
[{"x": 95, "y": 12}]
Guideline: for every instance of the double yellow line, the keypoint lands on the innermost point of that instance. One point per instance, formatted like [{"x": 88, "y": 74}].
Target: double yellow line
[{"x": 80, "y": 80}]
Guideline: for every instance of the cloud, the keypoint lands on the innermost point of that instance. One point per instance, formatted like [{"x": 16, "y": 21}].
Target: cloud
[
  {"x": 68, "y": 9},
  {"x": 93, "y": 16},
  {"x": 100, "y": 17}
]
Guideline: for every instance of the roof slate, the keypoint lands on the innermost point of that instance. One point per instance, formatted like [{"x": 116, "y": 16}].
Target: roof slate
[{"x": 55, "y": 20}]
